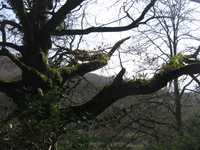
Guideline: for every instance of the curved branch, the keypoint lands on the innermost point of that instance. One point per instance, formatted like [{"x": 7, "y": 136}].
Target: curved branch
[
  {"x": 19, "y": 63},
  {"x": 109, "y": 95},
  {"x": 94, "y": 29},
  {"x": 107, "y": 29},
  {"x": 81, "y": 69},
  {"x": 11, "y": 45},
  {"x": 12, "y": 23}
]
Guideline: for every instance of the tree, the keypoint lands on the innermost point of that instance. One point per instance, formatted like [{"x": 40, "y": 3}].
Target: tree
[
  {"x": 172, "y": 27},
  {"x": 40, "y": 26}
]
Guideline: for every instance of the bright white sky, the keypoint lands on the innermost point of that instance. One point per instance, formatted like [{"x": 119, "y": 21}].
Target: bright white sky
[{"x": 133, "y": 62}]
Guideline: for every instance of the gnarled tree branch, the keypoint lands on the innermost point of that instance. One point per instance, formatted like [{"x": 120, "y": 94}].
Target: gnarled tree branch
[
  {"x": 97, "y": 61},
  {"x": 16, "y": 60},
  {"x": 110, "y": 94}
]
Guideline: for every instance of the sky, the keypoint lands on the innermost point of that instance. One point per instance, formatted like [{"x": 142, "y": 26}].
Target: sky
[{"x": 132, "y": 61}]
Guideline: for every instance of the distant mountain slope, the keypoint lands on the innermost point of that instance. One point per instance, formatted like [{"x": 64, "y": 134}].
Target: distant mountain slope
[{"x": 89, "y": 86}]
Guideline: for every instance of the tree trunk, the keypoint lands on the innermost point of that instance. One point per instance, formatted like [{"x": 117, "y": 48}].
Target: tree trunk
[{"x": 177, "y": 107}]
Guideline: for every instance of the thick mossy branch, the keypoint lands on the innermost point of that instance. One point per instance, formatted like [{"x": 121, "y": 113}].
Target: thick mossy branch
[
  {"x": 19, "y": 63},
  {"x": 25, "y": 69},
  {"x": 80, "y": 69},
  {"x": 94, "y": 62},
  {"x": 109, "y": 95}
]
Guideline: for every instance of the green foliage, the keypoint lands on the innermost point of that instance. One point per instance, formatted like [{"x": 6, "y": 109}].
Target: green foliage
[
  {"x": 174, "y": 62},
  {"x": 87, "y": 135},
  {"x": 37, "y": 123},
  {"x": 33, "y": 124}
]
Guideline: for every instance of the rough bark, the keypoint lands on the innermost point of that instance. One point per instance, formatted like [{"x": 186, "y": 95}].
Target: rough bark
[{"x": 119, "y": 89}]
